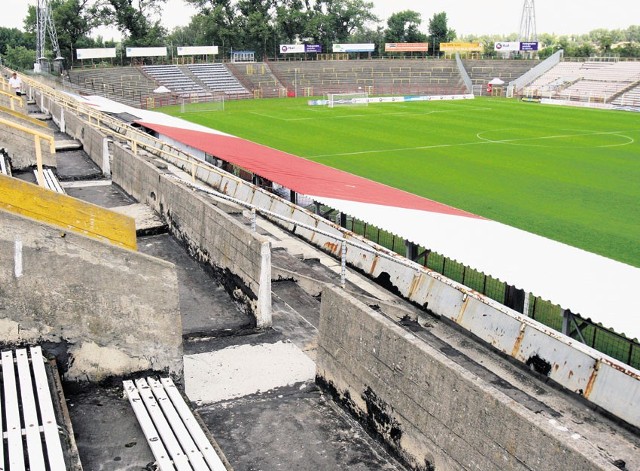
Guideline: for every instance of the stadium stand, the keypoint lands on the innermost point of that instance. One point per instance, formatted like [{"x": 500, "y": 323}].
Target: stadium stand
[
  {"x": 125, "y": 84},
  {"x": 374, "y": 76},
  {"x": 482, "y": 72},
  {"x": 172, "y": 77},
  {"x": 258, "y": 78},
  {"x": 217, "y": 78},
  {"x": 630, "y": 97},
  {"x": 590, "y": 80}
]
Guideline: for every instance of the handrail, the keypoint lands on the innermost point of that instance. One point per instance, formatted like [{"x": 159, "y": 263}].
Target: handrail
[
  {"x": 37, "y": 136},
  {"x": 13, "y": 98},
  {"x": 464, "y": 74},
  {"x": 528, "y": 77}
]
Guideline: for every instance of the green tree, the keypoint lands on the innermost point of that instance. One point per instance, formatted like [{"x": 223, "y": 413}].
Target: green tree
[
  {"x": 439, "y": 31},
  {"x": 403, "y": 27},
  {"x": 74, "y": 20},
  {"x": 19, "y": 57},
  {"x": 137, "y": 20}
]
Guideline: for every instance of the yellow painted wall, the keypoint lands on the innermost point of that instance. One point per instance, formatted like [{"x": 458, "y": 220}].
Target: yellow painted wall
[{"x": 68, "y": 213}]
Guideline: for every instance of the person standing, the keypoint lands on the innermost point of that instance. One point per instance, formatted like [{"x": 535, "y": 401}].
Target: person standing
[{"x": 15, "y": 83}]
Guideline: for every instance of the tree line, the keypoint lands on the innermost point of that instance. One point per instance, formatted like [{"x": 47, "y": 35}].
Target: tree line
[{"x": 262, "y": 25}]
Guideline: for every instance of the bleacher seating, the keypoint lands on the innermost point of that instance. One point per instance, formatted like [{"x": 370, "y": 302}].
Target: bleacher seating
[
  {"x": 172, "y": 431},
  {"x": 630, "y": 97},
  {"x": 481, "y": 72},
  {"x": 31, "y": 428},
  {"x": 258, "y": 78},
  {"x": 217, "y": 78},
  {"x": 124, "y": 84},
  {"x": 374, "y": 76},
  {"x": 5, "y": 167},
  {"x": 50, "y": 181},
  {"x": 587, "y": 81},
  {"x": 172, "y": 77}
]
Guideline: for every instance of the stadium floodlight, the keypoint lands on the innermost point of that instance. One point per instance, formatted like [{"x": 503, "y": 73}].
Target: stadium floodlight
[
  {"x": 347, "y": 99},
  {"x": 528, "y": 22}
]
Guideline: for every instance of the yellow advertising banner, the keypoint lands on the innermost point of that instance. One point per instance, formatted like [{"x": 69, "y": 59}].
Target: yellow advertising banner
[
  {"x": 406, "y": 47},
  {"x": 461, "y": 47}
]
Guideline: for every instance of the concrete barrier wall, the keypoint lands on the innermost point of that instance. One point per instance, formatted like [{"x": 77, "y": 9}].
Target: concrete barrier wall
[
  {"x": 435, "y": 414},
  {"x": 94, "y": 142},
  {"x": 211, "y": 235},
  {"x": 112, "y": 310}
]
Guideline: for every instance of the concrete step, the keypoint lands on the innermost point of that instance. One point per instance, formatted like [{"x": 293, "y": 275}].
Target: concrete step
[{"x": 62, "y": 146}]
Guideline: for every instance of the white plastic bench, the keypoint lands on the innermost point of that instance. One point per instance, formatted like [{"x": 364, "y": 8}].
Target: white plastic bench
[
  {"x": 50, "y": 180},
  {"x": 5, "y": 169},
  {"x": 174, "y": 435},
  {"x": 26, "y": 400}
]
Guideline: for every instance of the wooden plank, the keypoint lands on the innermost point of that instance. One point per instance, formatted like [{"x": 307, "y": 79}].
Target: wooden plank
[
  {"x": 180, "y": 431},
  {"x": 190, "y": 422},
  {"x": 157, "y": 448},
  {"x": 178, "y": 456},
  {"x": 55, "y": 456},
  {"x": 29, "y": 413},
  {"x": 14, "y": 430}
]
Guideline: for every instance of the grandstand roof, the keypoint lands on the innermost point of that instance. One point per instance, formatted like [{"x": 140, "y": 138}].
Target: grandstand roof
[{"x": 590, "y": 285}]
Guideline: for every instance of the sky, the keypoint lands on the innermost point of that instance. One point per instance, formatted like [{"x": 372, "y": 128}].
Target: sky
[{"x": 465, "y": 16}]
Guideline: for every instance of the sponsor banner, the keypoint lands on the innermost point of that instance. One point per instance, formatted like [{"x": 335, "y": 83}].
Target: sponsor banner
[
  {"x": 506, "y": 46},
  {"x": 97, "y": 53},
  {"x": 146, "y": 51},
  {"x": 529, "y": 46},
  {"x": 369, "y": 47},
  {"x": 197, "y": 50},
  {"x": 291, "y": 48},
  {"x": 299, "y": 48},
  {"x": 461, "y": 47},
  {"x": 394, "y": 99},
  {"x": 406, "y": 47}
]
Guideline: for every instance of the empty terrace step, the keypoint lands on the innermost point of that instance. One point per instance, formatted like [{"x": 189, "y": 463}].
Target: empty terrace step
[
  {"x": 174, "y": 435},
  {"x": 32, "y": 436}
]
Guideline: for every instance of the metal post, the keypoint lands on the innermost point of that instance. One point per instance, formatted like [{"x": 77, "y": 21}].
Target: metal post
[
  {"x": 39, "y": 161},
  {"x": 253, "y": 219},
  {"x": 343, "y": 261},
  {"x": 525, "y": 310}
]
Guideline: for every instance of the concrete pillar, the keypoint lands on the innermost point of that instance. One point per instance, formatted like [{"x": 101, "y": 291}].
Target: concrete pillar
[{"x": 263, "y": 310}]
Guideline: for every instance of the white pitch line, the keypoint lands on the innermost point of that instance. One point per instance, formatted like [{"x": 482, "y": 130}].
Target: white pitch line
[{"x": 482, "y": 141}]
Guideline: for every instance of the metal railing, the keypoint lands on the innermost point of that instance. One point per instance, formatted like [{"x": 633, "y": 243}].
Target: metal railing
[
  {"x": 463, "y": 73},
  {"x": 516, "y": 85},
  {"x": 600, "y": 379}
]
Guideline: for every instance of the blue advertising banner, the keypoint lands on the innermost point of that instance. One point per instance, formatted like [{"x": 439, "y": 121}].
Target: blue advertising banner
[
  {"x": 529, "y": 46},
  {"x": 312, "y": 48}
]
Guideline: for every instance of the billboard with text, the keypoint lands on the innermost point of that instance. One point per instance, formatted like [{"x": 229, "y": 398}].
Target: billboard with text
[
  {"x": 368, "y": 47},
  {"x": 461, "y": 47},
  {"x": 406, "y": 47}
]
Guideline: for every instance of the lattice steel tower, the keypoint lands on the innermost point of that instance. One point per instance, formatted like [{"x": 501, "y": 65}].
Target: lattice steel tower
[
  {"x": 44, "y": 23},
  {"x": 528, "y": 22}
]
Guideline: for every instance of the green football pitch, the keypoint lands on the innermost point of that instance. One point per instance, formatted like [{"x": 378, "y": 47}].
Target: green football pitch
[{"x": 569, "y": 174}]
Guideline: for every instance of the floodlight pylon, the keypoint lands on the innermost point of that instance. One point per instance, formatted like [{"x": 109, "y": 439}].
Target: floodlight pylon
[{"x": 528, "y": 32}]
